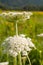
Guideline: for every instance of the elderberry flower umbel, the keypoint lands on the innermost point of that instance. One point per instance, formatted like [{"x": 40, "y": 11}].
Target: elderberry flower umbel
[{"x": 17, "y": 44}]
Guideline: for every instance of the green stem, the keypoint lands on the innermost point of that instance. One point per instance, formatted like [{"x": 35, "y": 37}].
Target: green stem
[
  {"x": 19, "y": 60},
  {"x": 23, "y": 60},
  {"x": 15, "y": 61},
  {"x": 29, "y": 60},
  {"x": 7, "y": 56},
  {"x": 16, "y": 29}
]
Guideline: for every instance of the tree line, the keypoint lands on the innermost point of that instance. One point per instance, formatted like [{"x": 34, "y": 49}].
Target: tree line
[{"x": 26, "y": 8}]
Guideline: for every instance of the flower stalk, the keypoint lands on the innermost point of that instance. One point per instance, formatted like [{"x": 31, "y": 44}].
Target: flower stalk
[
  {"x": 29, "y": 60},
  {"x": 19, "y": 59},
  {"x": 23, "y": 60},
  {"x": 16, "y": 28},
  {"x": 15, "y": 60}
]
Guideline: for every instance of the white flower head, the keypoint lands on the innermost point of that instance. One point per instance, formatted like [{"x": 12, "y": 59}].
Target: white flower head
[
  {"x": 4, "y": 63},
  {"x": 17, "y": 44},
  {"x": 40, "y": 35}
]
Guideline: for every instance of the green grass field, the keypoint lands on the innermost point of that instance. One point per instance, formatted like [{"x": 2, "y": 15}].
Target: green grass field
[{"x": 30, "y": 28}]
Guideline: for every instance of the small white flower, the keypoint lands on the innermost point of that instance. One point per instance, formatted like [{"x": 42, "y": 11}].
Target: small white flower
[
  {"x": 8, "y": 38},
  {"x": 4, "y": 13},
  {"x": 28, "y": 49},
  {"x": 40, "y": 35},
  {"x": 28, "y": 38},
  {"x": 11, "y": 51},
  {"x": 18, "y": 50},
  {"x": 28, "y": 17},
  {"x": 14, "y": 54},
  {"x": 24, "y": 53},
  {"x": 22, "y": 35},
  {"x": 4, "y": 63},
  {"x": 30, "y": 13},
  {"x": 30, "y": 43}
]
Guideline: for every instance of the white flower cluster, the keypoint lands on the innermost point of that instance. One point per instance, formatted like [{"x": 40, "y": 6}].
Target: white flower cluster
[
  {"x": 25, "y": 14},
  {"x": 40, "y": 35},
  {"x": 17, "y": 44},
  {"x": 17, "y": 13},
  {"x": 4, "y": 63}
]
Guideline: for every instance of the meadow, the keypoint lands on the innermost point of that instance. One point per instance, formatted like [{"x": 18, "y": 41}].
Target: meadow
[{"x": 31, "y": 28}]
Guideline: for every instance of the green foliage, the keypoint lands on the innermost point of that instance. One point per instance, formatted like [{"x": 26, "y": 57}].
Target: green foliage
[
  {"x": 35, "y": 57},
  {"x": 3, "y": 58}
]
